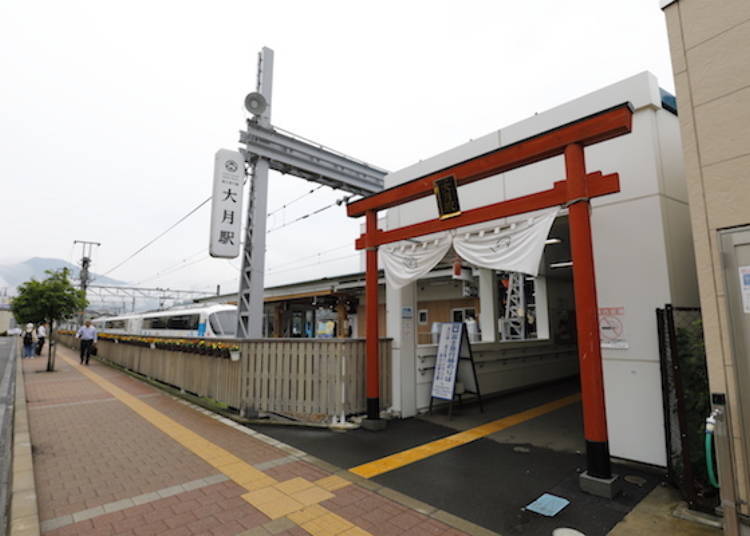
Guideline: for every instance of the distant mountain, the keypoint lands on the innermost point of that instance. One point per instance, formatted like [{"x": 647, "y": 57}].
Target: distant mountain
[{"x": 12, "y": 275}]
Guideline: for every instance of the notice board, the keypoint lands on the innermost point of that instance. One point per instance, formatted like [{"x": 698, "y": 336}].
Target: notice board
[{"x": 453, "y": 360}]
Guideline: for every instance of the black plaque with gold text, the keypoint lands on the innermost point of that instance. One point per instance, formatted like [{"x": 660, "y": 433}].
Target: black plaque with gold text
[{"x": 446, "y": 195}]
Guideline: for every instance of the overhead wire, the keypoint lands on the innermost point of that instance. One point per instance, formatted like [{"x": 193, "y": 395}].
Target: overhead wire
[
  {"x": 316, "y": 264},
  {"x": 314, "y": 255},
  {"x": 164, "y": 271},
  {"x": 177, "y": 269},
  {"x": 285, "y": 205},
  {"x": 179, "y": 265},
  {"x": 186, "y": 216},
  {"x": 338, "y": 202}
]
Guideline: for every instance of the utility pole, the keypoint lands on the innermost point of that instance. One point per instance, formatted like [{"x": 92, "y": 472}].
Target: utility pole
[
  {"x": 250, "y": 307},
  {"x": 87, "y": 248}
]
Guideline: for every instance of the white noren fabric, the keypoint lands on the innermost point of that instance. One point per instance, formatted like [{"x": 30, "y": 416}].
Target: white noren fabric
[
  {"x": 405, "y": 262},
  {"x": 518, "y": 248}
]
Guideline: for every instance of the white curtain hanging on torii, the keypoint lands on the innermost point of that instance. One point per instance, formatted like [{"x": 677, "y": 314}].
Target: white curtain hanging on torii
[
  {"x": 514, "y": 248},
  {"x": 407, "y": 261}
]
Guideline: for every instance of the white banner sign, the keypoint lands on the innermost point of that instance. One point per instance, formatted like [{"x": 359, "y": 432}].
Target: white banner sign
[
  {"x": 446, "y": 362},
  {"x": 226, "y": 205}
]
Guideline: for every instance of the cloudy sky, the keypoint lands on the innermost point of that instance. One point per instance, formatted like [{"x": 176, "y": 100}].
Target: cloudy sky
[{"x": 110, "y": 112}]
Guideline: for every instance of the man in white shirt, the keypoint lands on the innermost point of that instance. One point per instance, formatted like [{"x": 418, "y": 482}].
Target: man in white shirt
[
  {"x": 87, "y": 335},
  {"x": 41, "y": 336}
]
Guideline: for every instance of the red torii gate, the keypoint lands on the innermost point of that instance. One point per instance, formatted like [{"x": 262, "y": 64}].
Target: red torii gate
[{"x": 575, "y": 192}]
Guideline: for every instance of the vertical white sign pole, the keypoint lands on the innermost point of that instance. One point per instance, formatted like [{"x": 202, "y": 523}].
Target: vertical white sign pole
[{"x": 250, "y": 306}]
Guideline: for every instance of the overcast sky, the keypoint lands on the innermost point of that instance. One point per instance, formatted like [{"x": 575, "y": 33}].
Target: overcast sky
[{"x": 110, "y": 112}]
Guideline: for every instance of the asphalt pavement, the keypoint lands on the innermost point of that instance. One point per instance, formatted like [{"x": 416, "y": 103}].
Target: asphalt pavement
[{"x": 489, "y": 481}]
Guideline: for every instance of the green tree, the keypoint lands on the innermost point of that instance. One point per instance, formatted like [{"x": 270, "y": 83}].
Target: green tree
[{"x": 51, "y": 300}]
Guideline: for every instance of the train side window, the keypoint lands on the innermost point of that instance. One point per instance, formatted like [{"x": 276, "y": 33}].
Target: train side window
[
  {"x": 154, "y": 322},
  {"x": 183, "y": 322}
]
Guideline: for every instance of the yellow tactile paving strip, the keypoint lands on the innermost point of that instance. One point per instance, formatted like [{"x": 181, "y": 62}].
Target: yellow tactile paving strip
[
  {"x": 296, "y": 499},
  {"x": 400, "y": 459}
]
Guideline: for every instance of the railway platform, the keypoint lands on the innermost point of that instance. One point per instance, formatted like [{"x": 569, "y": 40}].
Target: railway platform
[{"x": 116, "y": 456}]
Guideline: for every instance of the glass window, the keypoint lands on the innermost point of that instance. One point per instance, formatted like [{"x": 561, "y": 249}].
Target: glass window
[
  {"x": 423, "y": 316},
  {"x": 462, "y": 315},
  {"x": 223, "y": 323},
  {"x": 154, "y": 322},
  {"x": 183, "y": 322}
]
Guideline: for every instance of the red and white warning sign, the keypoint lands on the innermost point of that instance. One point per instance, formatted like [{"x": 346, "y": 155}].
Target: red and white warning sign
[{"x": 612, "y": 327}]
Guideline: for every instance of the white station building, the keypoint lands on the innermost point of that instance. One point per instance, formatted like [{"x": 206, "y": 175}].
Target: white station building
[{"x": 643, "y": 257}]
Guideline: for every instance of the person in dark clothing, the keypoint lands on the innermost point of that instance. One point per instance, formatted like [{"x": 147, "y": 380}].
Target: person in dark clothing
[
  {"x": 87, "y": 336},
  {"x": 28, "y": 341}
]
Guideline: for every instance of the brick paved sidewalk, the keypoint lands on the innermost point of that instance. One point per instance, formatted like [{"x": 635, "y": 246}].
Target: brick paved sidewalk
[{"x": 115, "y": 456}]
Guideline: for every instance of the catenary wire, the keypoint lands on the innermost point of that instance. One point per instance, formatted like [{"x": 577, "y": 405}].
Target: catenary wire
[
  {"x": 296, "y": 220},
  {"x": 316, "y": 264},
  {"x": 338, "y": 202},
  {"x": 302, "y": 259},
  {"x": 186, "y": 216},
  {"x": 285, "y": 205}
]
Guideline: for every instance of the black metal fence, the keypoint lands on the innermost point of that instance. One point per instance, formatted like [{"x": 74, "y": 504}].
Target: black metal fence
[{"x": 686, "y": 403}]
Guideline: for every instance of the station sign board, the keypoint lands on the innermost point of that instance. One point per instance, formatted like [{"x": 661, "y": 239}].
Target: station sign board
[{"x": 226, "y": 204}]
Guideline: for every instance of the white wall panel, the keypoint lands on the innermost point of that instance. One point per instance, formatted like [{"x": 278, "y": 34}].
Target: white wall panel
[{"x": 634, "y": 411}]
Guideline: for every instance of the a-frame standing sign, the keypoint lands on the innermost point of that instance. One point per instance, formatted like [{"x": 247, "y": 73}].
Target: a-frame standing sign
[{"x": 454, "y": 361}]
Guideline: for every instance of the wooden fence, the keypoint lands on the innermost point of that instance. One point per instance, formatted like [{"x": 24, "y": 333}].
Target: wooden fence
[
  {"x": 203, "y": 375},
  {"x": 300, "y": 376},
  {"x": 311, "y": 376}
]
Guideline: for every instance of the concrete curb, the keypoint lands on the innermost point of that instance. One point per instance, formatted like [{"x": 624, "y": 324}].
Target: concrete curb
[
  {"x": 24, "y": 516},
  {"x": 7, "y": 402}
]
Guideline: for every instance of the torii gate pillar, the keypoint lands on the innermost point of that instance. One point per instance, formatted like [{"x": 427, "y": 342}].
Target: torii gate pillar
[{"x": 598, "y": 472}]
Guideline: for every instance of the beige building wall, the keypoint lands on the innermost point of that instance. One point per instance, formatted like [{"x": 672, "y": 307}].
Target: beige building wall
[{"x": 710, "y": 47}]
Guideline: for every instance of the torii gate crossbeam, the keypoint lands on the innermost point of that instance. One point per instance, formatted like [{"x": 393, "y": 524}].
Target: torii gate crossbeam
[{"x": 574, "y": 192}]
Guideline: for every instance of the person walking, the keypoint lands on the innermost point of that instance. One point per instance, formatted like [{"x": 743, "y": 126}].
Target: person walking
[
  {"x": 41, "y": 336},
  {"x": 28, "y": 341},
  {"x": 87, "y": 335}
]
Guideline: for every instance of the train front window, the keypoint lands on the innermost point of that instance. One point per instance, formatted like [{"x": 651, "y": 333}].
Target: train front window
[{"x": 223, "y": 323}]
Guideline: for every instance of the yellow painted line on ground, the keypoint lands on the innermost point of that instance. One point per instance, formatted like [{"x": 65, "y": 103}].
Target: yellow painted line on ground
[
  {"x": 296, "y": 498},
  {"x": 406, "y": 457}
]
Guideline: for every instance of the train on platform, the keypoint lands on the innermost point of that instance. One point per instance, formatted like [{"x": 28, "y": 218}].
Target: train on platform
[{"x": 209, "y": 321}]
